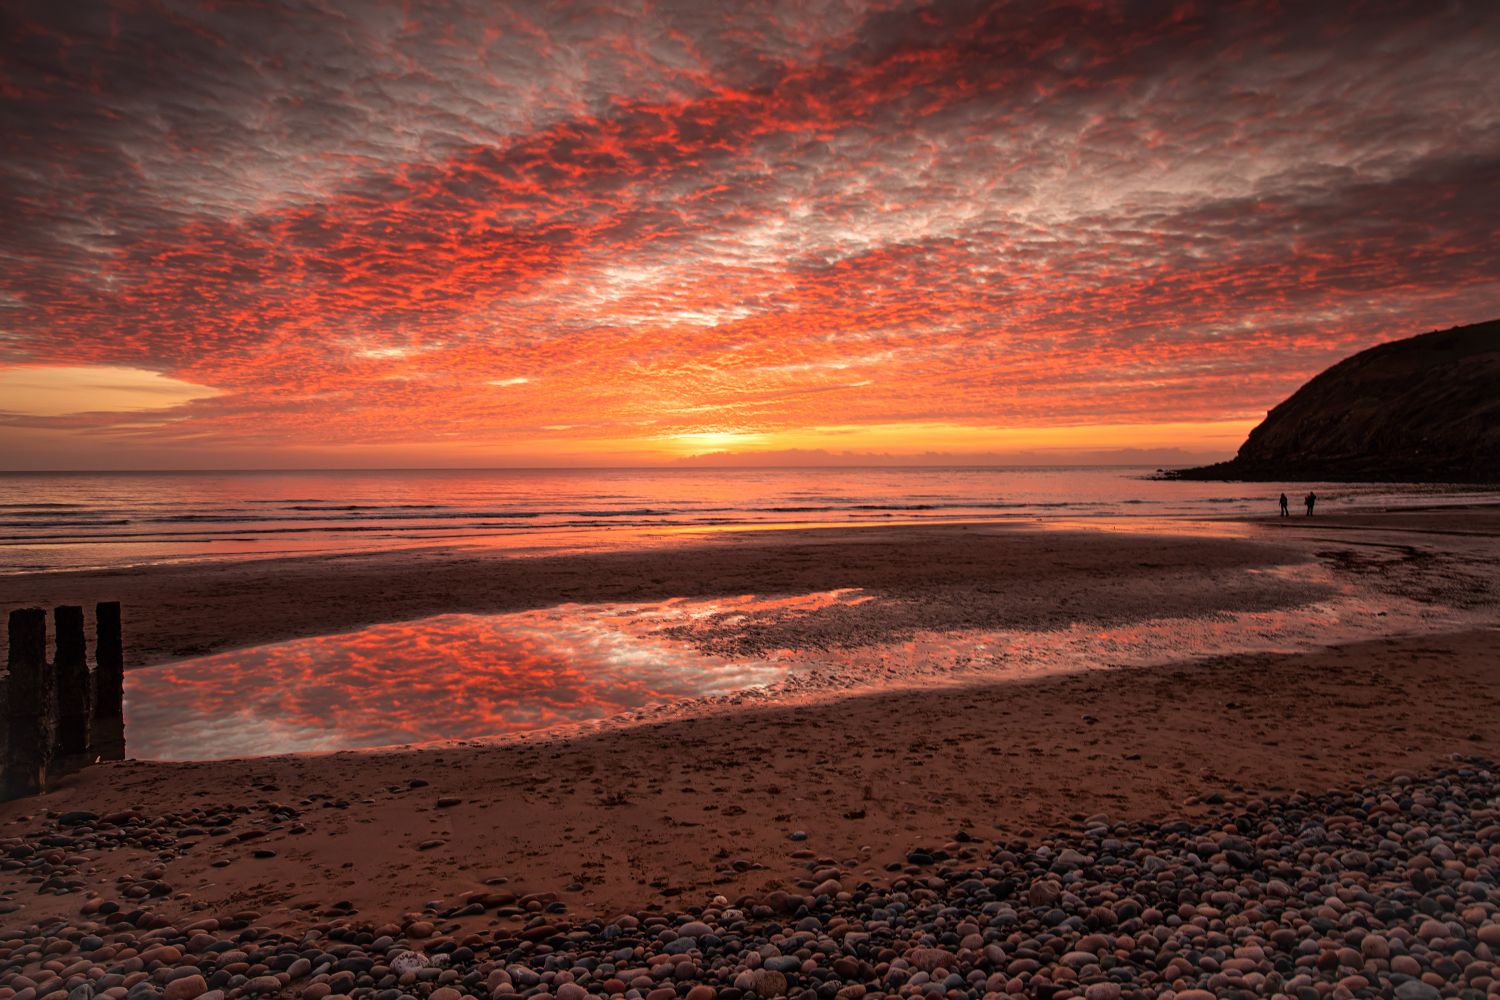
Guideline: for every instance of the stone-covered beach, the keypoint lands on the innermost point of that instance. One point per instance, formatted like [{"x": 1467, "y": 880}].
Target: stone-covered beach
[{"x": 1313, "y": 822}]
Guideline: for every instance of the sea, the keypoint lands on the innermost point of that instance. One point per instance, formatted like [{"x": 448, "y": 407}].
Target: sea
[{"x": 65, "y": 521}]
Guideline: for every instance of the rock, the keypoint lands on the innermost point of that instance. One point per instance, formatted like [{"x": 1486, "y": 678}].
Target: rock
[
  {"x": 1412, "y": 410},
  {"x": 408, "y": 961},
  {"x": 164, "y": 954},
  {"x": 1043, "y": 893},
  {"x": 766, "y": 983},
  {"x": 186, "y": 988},
  {"x": 1406, "y": 965},
  {"x": 930, "y": 959},
  {"x": 1415, "y": 989},
  {"x": 1432, "y": 930}
]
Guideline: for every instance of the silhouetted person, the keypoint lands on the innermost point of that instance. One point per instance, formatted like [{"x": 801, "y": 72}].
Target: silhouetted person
[
  {"x": 1284, "y": 511},
  {"x": 1312, "y": 498}
]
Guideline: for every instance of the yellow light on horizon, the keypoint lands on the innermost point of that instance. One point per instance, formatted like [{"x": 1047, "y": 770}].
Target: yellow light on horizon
[
  {"x": 706, "y": 441},
  {"x": 905, "y": 441}
]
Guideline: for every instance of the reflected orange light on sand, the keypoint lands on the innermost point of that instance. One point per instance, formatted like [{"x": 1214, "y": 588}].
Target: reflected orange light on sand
[
  {"x": 449, "y": 677},
  {"x": 459, "y": 677}
]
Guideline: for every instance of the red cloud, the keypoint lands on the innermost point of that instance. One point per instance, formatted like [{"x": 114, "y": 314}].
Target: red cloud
[{"x": 459, "y": 224}]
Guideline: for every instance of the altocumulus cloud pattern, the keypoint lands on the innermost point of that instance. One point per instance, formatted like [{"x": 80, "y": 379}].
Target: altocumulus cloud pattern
[{"x": 591, "y": 222}]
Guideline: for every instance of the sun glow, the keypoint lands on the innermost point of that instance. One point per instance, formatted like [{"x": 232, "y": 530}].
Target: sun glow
[{"x": 698, "y": 443}]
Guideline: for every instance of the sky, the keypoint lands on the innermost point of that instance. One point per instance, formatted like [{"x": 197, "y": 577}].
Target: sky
[{"x": 301, "y": 233}]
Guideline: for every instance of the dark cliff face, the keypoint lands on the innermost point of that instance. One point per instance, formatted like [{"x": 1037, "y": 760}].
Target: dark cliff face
[{"x": 1424, "y": 409}]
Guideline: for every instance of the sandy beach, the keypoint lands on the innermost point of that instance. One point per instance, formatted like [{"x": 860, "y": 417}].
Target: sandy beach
[
  {"x": 776, "y": 796},
  {"x": 931, "y": 576},
  {"x": 628, "y": 814},
  {"x": 949, "y": 576}
]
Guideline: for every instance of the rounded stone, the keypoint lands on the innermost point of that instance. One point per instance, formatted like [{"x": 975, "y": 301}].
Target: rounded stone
[{"x": 186, "y": 988}]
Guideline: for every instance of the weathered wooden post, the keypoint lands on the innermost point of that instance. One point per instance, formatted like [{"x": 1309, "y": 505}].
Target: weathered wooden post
[
  {"x": 109, "y": 682},
  {"x": 75, "y": 701},
  {"x": 109, "y": 661},
  {"x": 30, "y": 715},
  {"x": 4, "y": 737}
]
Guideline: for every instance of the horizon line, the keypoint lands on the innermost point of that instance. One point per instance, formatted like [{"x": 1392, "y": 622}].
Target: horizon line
[{"x": 684, "y": 467}]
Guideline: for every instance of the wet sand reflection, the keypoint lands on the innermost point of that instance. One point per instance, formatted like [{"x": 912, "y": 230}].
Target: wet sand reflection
[
  {"x": 459, "y": 677},
  {"x": 444, "y": 678}
]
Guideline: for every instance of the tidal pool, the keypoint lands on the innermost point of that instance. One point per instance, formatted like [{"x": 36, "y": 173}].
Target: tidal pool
[
  {"x": 446, "y": 678},
  {"x": 464, "y": 677}
]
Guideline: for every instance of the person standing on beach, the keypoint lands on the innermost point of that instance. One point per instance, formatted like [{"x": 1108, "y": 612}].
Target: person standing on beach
[
  {"x": 1312, "y": 498},
  {"x": 1284, "y": 511}
]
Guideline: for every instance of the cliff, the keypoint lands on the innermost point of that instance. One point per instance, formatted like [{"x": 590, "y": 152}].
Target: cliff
[{"x": 1423, "y": 409}]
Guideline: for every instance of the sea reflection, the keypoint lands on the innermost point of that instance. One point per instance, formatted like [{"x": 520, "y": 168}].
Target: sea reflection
[{"x": 444, "y": 678}]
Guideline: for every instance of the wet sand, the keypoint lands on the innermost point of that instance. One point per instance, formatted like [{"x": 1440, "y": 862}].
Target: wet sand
[
  {"x": 950, "y": 576},
  {"x": 672, "y": 813},
  {"x": 665, "y": 813}
]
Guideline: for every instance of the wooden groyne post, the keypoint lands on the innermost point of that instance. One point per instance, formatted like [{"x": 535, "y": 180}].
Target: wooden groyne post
[
  {"x": 109, "y": 683},
  {"x": 30, "y": 720},
  {"x": 58, "y": 717},
  {"x": 75, "y": 687},
  {"x": 109, "y": 661}
]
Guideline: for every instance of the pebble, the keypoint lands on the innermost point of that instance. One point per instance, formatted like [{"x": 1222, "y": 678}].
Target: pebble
[
  {"x": 1392, "y": 890},
  {"x": 186, "y": 988}
]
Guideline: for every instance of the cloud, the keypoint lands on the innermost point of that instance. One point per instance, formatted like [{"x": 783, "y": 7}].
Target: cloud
[
  {"x": 83, "y": 393},
  {"x": 355, "y": 221}
]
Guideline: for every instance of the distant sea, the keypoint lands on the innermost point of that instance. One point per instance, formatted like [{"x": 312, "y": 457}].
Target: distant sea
[{"x": 51, "y": 521}]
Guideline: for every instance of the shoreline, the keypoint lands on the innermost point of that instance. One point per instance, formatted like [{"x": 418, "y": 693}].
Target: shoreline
[{"x": 178, "y": 612}]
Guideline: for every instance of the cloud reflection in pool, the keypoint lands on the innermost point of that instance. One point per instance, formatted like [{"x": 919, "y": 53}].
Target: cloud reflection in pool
[
  {"x": 460, "y": 677},
  {"x": 449, "y": 677}
]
